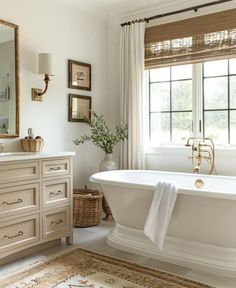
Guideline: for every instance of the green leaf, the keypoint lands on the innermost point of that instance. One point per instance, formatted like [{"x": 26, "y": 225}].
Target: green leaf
[{"x": 101, "y": 135}]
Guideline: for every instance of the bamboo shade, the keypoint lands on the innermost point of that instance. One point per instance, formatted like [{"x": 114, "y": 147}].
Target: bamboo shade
[{"x": 192, "y": 40}]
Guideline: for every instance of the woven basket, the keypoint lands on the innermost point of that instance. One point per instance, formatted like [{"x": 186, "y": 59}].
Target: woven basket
[
  {"x": 87, "y": 207},
  {"x": 32, "y": 145}
]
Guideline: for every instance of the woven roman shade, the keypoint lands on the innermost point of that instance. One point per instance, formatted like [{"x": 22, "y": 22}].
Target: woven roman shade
[{"x": 192, "y": 40}]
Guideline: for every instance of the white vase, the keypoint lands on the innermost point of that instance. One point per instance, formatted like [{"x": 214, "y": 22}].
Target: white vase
[{"x": 108, "y": 163}]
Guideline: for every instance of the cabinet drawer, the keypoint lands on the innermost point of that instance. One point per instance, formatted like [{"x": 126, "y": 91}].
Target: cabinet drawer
[
  {"x": 56, "y": 191},
  {"x": 19, "y": 199},
  {"x": 19, "y": 172},
  {"x": 56, "y": 221},
  {"x": 19, "y": 232},
  {"x": 56, "y": 167}
]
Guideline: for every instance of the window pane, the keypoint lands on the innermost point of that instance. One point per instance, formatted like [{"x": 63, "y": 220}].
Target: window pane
[
  {"x": 232, "y": 66},
  {"x": 233, "y": 127},
  {"x": 160, "y": 97},
  {"x": 216, "y": 93},
  {"x": 181, "y": 126},
  {"x": 215, "y": 68},
  {"x": 232, "y": 91},
  {"x": 216, "y": 126},
  {"x": 160, "y": 74},
  {"x": 160, "y": 127},
  {"x": 182, "y": 95},
  {"x": 181, "y": 72}
]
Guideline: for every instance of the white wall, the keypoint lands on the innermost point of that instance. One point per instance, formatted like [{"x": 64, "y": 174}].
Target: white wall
[
  {"x": 67, "y": 33},
  {"x": 162, "y": 159}
]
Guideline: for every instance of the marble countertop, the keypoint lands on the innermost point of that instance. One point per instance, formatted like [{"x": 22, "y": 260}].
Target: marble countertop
[{"x": 15, "y": 156}]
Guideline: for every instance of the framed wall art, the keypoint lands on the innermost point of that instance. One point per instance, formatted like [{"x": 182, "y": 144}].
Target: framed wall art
[
  {"x": 79, "y": 108},
  {"x": 79, "y": 75}
]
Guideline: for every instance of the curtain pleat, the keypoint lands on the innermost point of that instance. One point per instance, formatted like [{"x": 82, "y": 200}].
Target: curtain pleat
[{"x": 132, "y": 88}]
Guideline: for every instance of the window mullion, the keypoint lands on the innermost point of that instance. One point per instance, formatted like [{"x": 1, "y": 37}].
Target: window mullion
[{"x": 197, "y": 100}]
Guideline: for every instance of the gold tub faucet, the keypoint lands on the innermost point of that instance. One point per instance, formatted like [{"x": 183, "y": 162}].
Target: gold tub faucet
[{"x": 202, "y": 149}]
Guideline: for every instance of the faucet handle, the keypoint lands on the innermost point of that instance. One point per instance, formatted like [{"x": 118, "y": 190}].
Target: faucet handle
[
  {"x": 194, "y": 148},
  {"x": 207, "y": 158}
]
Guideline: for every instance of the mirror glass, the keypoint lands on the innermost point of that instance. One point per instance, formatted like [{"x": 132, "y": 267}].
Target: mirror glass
[
  {"x": 9, "y": 80},
  {"x": 79, "y": 108}
]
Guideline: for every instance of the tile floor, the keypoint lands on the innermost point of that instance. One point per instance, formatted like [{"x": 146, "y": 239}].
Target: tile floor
[{"x": 94, "y": 238}]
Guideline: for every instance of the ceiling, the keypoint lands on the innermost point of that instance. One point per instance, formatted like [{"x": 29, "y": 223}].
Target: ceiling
[
  {"x": 113, "y": 5},
  {"x": 122, "y": 9},
  {"x": 120, "y": 6}
]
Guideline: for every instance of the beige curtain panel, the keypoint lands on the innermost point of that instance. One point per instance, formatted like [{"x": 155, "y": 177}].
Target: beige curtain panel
[
  {"x": 192, "y": 40},
  {"x": 132, "y": 94}
]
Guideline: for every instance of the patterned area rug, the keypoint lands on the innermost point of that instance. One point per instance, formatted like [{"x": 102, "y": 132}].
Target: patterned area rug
[{"x": 85, "y": 269}]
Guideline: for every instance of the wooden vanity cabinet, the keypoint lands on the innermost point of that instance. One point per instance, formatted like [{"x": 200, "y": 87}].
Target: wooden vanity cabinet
[{"x": 35, "y": 203}]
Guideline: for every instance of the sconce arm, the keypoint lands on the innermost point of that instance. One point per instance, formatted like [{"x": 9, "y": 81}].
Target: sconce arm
[{"x": 46, "y": 80}]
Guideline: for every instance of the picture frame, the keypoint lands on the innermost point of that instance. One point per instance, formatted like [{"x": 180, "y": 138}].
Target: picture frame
[
  {"x": 79, "y": 108},
  {"x": 79, "y": 75}
]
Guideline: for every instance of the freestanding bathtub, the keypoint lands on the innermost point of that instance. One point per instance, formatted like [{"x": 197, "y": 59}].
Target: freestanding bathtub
[{"x": 202, "y": 230}]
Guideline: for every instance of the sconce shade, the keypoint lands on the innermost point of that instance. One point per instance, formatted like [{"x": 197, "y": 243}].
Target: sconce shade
[{"x": 46, "y": 65}]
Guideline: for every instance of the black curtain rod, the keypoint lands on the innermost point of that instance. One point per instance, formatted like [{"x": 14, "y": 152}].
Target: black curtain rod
[{"x": 194, "y": 8}]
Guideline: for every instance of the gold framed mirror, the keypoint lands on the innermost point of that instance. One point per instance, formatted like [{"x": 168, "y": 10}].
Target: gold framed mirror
[
  {"x": 79, "y": 108},
  {"x": 9, "y": 80}
]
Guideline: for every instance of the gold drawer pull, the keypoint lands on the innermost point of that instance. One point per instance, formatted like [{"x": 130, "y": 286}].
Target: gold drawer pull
[
  {"x": 59, "y": 192},
  {"x": 56, "y": 222},
  {"x": 20, "y": 233},
  {"x": 55, "y": 169},
  {"x": 11, "y": 203}
]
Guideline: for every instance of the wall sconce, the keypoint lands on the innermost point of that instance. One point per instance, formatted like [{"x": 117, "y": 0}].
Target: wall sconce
[{"x": 45, "y": 66}]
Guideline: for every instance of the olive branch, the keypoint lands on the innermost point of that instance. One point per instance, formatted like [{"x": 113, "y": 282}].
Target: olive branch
[{"x": 101, "y": 135}]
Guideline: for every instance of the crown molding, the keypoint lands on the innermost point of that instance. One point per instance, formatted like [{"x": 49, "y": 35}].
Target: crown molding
[
  {"x": 144, "y": 8},
  {"x": 149, "y": 8},
  {"x": 122, "y": 11}
]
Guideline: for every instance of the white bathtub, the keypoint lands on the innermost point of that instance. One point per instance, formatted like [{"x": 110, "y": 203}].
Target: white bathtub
[{"x": 202, "y": 230}]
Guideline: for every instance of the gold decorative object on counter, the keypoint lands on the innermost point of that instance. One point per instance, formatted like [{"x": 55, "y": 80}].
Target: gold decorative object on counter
[{"x": 32, "y": 145}]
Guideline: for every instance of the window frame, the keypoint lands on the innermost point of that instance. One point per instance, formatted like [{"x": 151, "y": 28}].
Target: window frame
[
  {"x": 170, "y": 111},
  {"x": 198, "y": 124},
  {"x": 228, "y": 109}
]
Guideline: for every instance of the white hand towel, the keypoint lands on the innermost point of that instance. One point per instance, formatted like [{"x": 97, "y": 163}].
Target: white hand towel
[{"x": 158, "y": 219}]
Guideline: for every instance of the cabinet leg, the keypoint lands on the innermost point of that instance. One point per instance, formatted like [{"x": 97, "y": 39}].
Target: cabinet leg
[{"x": 69, "y": 239}]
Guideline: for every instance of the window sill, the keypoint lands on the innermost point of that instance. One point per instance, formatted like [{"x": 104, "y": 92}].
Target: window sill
[{"x": 220, "y": 150}]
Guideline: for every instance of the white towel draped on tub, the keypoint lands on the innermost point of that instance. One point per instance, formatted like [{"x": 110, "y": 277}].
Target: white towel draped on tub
[{"x": 158, "y": 219}]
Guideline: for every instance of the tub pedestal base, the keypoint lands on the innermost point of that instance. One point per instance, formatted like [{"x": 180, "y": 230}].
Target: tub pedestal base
[{"x": 200, "y": 256}]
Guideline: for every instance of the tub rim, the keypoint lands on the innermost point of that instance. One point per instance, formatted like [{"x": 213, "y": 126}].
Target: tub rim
[{"x": 180, "y": 190}]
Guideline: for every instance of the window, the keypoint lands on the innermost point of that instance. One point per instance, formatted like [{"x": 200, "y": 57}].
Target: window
[{"x": 193, "y": 100}]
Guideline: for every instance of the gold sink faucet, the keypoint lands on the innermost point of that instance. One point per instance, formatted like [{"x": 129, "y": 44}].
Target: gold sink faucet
[{"x": 202, "y": 149}]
